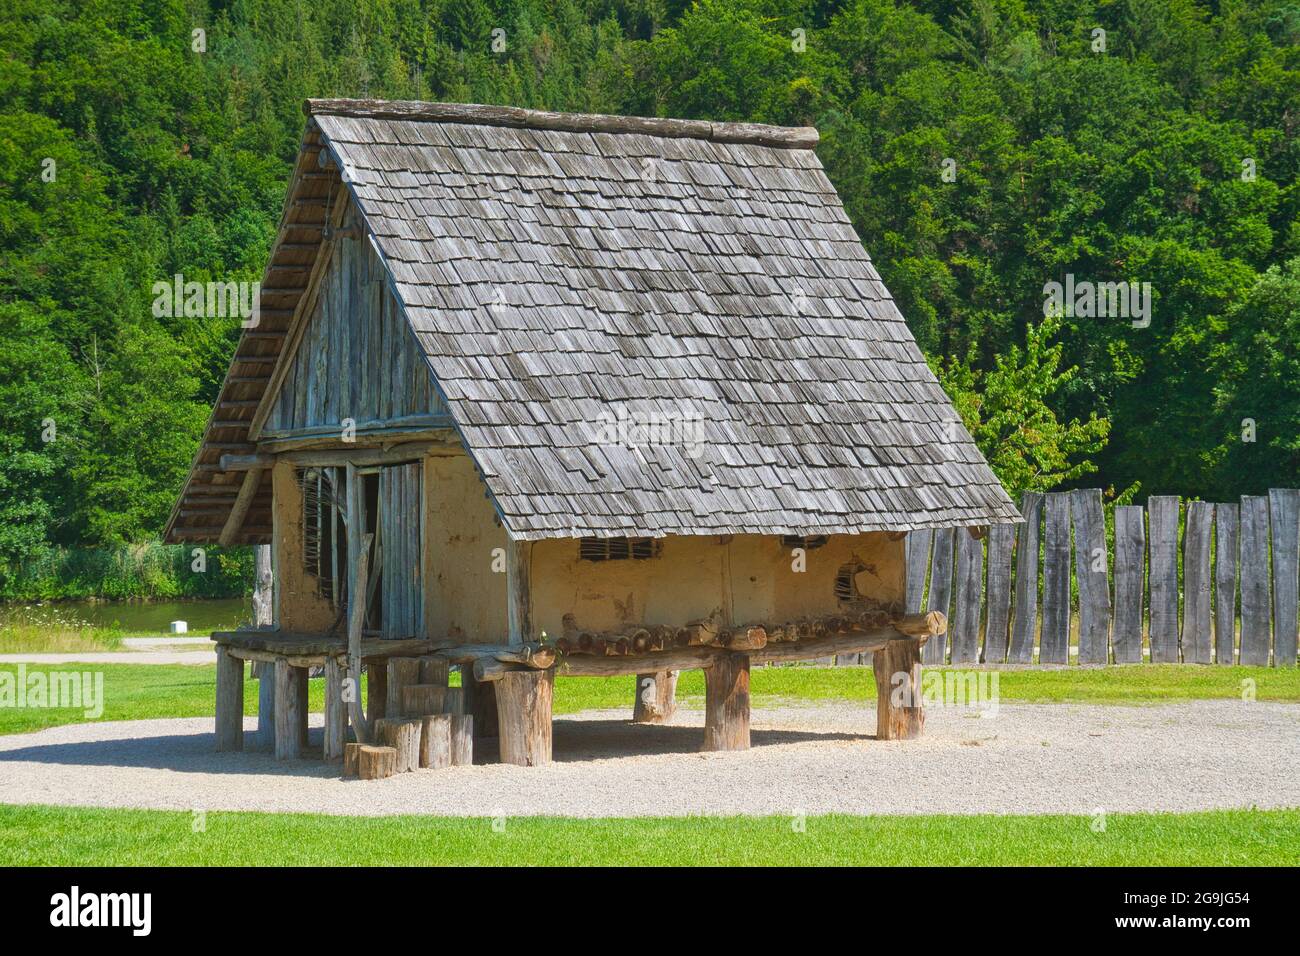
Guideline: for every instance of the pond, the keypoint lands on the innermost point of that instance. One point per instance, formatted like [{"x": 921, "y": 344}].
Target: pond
[{"x": 134, "y": 617}]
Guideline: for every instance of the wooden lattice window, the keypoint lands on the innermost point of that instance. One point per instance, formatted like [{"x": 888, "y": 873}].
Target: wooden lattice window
[
  {"x": 324, "y": 538},
  {"x": 619, "y": 549}
]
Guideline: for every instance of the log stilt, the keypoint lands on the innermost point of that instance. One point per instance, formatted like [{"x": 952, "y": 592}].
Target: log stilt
[
  {"x": 402, "y": 673},
  {"x": 302, "y": 675},
  {"x": 351, "y": 753},
  {"x": 478, "y": 698},
  {"x": 655, "y": 697},
  {"x": 419, "y": 700},
  {"x": 462, "y": 740},
  {"x": 265, "y": 705},
  {"x": 375, "y": 763},
  {"x": 726, "y": 703},
  {"x": 524, "y": 717},
  {"x": 434, "y": 670},
  {"x": 435, "y": 741},
  {"x": 403, "y": 736},
  {"x": 376, "y": 690},
  {"x": 899, "y": 714},
  {"x": 336, "y": 709},
  {"x": 230, "y": 701},
  {"x": 289, "y": 710}
]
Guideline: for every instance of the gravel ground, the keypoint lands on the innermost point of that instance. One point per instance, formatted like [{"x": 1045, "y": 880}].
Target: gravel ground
[{"x": 1048, "y": 758}]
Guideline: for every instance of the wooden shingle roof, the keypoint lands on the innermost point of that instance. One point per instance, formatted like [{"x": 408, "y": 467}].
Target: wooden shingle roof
[{"x": 565, "y": 272}]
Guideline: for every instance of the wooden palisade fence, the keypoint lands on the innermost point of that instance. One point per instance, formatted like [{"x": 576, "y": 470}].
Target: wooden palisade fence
[{"x": 1016, "y": 585}]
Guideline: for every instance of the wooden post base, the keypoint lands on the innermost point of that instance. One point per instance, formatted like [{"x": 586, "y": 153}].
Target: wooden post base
[
  {"x": 656, "y": 697},
  {"x": 403, "y": 736},
  {"x": 899, "y": 711},
  {"x": 265, "y": 674},
  {"x": 336, "y": 709},
  {"x": 726, "y": 703},
  {"x": 290, "y": 709},
  {"x": 524, "y": 716},
  {"x": 230, "y": 701}
]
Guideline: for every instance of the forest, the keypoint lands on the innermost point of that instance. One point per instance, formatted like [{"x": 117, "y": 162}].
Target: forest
[{"x": 984, "y": 150}]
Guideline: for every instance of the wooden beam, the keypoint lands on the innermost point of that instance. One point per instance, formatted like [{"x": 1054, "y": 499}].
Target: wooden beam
[
  {"x": 239, "y": 510},
  {"x": 519, "y": 591},
  {"x": 246, "y": 463}
]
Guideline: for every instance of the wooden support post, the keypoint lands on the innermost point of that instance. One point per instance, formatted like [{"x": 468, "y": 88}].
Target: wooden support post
[
  {"x": 656, "y": 697},
  {"x": 376, "y": 690},
  {"x": 726, "y": 703},
  {"x": 462, "y": 740},
  {"x": 263, "y": 598},
  {"x": 336, "y": 709},
  {"x": 402, "y": 672},
  {"x": 300, "y": 676},
  {"x": 518, "y": 591},
  {"x": 524, "y": 716},
  {"x": 435, "y": 741},
  {"x": 230, "y": 700},
  {"x": 899, "y": 714},
  {"x": 265, "y": 706},
  {"x": 479, "y": 700},
  {"x": 288, "y": 711}
]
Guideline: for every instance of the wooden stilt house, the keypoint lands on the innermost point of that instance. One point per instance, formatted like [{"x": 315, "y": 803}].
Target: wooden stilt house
[{"x": 605, "y": 395}]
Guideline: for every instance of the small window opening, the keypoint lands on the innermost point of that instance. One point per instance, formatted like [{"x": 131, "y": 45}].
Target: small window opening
[
  {"x": 846, "y": 585},
  {"x": 807, "y": 542},
  {"x": 618, "y": 549}
]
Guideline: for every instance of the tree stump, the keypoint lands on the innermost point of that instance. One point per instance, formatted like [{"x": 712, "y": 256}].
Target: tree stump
[
  {"x": 336, "y": 709},
  {"x": 726, "y": 703},
  {"x": 375, "y": 763},
  {"x": 899, "y": 714},
  {"x": 462, "y": 740},
  {"x": 230, "y": 700},
  {"x": 656, "y": 697},
  {"x": 403, "y": 736},
  {"x": 524, "y": 716},
  {"x": 435, "y": 741},
  {"x": 351, "y": 752}
]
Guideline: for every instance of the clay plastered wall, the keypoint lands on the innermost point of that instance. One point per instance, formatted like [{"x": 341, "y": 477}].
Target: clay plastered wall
[
  {"x": 749, "y": 579},
  {"x": 462, "y": 591},
  {"x": 297, "y": 605}
]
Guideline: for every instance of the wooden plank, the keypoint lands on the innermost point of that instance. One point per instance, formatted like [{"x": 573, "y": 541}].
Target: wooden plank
[
  {"x": 1255, "y": 605},
  {"x": 1091, "y": 570},
  {"x": 1025, "y": 624},
  {"x": 1162, "y": 516},
  {"x": 1226, "y": 548},
  {"x": 519, "y": 590},
  {"x": 970, "y": 591},
  {"x": 940, "y": 597},
  {"x": 1130, "y": 582},
  {"x": 1196, "y": 582},
  {"x": 918, "y": 562},
  {"x": 997, "y": 629},
  {"x": 1054, "y": 646},
  {"x": 1284, "y": 517}
]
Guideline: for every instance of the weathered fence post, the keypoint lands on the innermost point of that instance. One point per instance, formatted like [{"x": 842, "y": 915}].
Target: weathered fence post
[
  {"x": 1054, "y": 647},
  {"x": 1284, "y": 511},
  {"x": 918, "y": 561},
  {"x": 1026, "y": 604},
  {"x": 997, "y": 631},
  {"x": 1196, "y": 582},
  {"x": 1090, "y": 569},
  {"x": 940, "y": 598},
  {"x": 1254, "y": 580},
  {"x": 1163, "y": 515},
  {"x": 1130, "y": 582},
  {"x": 970, "y": 589},
  {"x": 1225, "y": 581}
]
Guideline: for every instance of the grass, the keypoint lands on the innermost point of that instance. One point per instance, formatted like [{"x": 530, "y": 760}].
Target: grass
[
  {"x": 65, "y": 836},
  {"x": 141, "y": 691},
  {"x": 60, "y": 638}
]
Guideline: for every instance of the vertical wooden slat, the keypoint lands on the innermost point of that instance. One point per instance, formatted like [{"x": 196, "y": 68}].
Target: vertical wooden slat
[
  {"x": 1284, "y": 516},
  {"x": 1130, "y": 577},
  {"x": 940, "y": 597},
  {"x": 997, "y": 629},
  {"x": 970, "y": 589},
  {"x": 918, "y": 561},
  {"x": 1054, "y": 647},
  {"x": 1026, "y": 604},
  {"x": 1163, "y": 516},
  {"x": 1225, "y": 581},
  {"x": 1091, "y": 570},
  {"x": 1196, "y": 582},
  {"x": 1255, "y": 609}
]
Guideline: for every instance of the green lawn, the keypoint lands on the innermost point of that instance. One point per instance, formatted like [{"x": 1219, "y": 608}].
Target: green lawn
[
  {"x": 138, "y": 691},
  {"x": 95, "y": 837}
]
